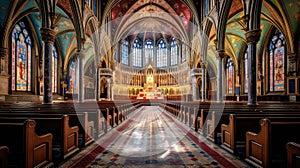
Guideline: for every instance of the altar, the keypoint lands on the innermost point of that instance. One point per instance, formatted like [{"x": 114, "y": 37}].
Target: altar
[{"x": 150, "y": 88}]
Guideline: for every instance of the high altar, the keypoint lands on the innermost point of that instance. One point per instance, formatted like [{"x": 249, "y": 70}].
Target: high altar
[{"x": 150, "y": 87}]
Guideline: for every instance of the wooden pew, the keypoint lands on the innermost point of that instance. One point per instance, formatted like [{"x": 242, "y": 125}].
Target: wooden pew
[
  {"x": 233, "y": 134},
  {"x": 293, "y": 155},
  {"x": 65, "y": 138},
  {"x": 86, "y": 127},
  {"x": 267, "y": 148},
  {"x": 27, "y": 149},
  {"x": 210, "y": 123},
  {"x": 3, "y": 156}
]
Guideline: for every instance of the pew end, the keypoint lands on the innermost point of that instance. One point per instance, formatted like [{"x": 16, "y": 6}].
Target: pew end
[
  {"x": 293, "y": 155},
  {"x": 3, "y": 156}
]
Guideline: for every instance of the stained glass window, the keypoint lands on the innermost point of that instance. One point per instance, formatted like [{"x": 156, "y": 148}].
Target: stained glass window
[
  {"x": 21, "y": 58},
  {"x": 230, "y": 75},
  {"x": 54, "y": 70},
  {"x": 125, "y": 58},
  {"x": 174, "y": 52},
  {"x": 148, "y": 52},
  {"x": 276, "y": 66},
  {"x": 162, "y": 54},
  {"x": 183, "y": 58},
  {"x": 137, "y": 53},
  {"x": 246, "y": 75}
]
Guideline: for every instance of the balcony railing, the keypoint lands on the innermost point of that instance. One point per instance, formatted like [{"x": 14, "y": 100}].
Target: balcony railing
[
  {"x": 105, "y": 72},
  {"x": 196, "y": 72}
]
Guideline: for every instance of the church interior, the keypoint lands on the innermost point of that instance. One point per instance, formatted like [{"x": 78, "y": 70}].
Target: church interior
[{"x": 149, "y": 83}]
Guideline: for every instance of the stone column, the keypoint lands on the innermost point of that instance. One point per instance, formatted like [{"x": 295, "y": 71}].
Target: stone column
[
  {"x": 252, "y": 39},
  {"x": 194, "y": 88},
  {"x": 108, "y": 89},
  {"x": 97, "y": 84},
  {"x": 4, "y": 61},
  {"x": 221, "y": 54},
  {"x": 203, "y": 82},
  {"x": 112, "y": 92},
  {"x": 48, "y": 36},
  {"x": 81, "y": 55},
  {"x": 120, "y": 51}
]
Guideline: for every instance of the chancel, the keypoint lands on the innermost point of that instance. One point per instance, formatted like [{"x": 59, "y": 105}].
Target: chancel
[{"x": 149, "y": 83}]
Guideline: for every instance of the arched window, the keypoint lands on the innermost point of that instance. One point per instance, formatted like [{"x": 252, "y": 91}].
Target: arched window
[
  {"x": 125, "y": 58},
  {"x": 174, "y": 52},
  {"x": 183, "y": 55},
  {"x": 162, "y": 54},
  {"x": 137, "y": 53},
  {"x": 21, "y": 58},
  {"x": 54, "y": 70},
  {"x": 246, "y": 75},
  {"x": 72, "y": 75},
  {"x": 148, "y": 52},
  {"x": 230, "y": 75},
  {"x": 276, "y": 58}
]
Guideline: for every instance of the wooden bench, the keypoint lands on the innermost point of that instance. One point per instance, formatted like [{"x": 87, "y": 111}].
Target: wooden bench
[
  {"x": 268, "y": 147},
  {"x": 3, "y": 156},
  {"x": 65, "y": 138},
  {"x": 27, "y": 149},
  {"x": 233, "y": 134},
  {"x": 293, "y": 155}
]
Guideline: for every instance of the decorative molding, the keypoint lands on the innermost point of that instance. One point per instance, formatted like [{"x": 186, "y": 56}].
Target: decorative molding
[
  {"x": 253, "y": 36},
  {"x": 48, "y": 35},
  {"x": 221, "y": 54}
]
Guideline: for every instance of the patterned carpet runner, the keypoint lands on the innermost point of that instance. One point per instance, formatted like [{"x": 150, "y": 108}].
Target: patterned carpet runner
[{"x": 152, "y": 138}]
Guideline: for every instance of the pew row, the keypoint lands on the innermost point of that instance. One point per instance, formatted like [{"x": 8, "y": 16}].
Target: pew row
[
  {"x": 267, "y": 148},
  {"x": 3, "y": 156},
  {"x": 293, "y": 154},
  {"x": 65, "y": 138},
  {"x": 233, "y": 134},
  {"x": 27, "y": 149}
]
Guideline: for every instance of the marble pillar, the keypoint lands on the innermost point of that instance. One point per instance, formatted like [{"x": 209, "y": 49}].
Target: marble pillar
[
  {"x": 81, "y": 55},
  {"x": 221, "y": 54},
  {"x": 48, "y": 36},
  {"x": 108, "y": 89},
  {"x": 194, "y": 88},
  {"x": 203, "y": 67},
  {"x": 252, "y": 37},
  {"x": 97, "y": 83}
]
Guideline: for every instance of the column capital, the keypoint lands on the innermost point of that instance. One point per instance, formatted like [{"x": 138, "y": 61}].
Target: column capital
[
  {"x": 221, "y": 54},
  {"x": 291, "y": 55},
  {"x": 203, "y": 65},
  {"x": 80, "y": 53},
  {"x": 48, "y": 35},
  {"x": 3, "y": 52},
  {"x": 252, "y": 36}
]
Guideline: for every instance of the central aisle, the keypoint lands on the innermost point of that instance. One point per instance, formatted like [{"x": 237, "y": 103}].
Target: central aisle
[{"x": 151, "y": 138}]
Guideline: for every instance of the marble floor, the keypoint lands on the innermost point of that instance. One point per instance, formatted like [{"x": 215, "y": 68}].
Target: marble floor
[{"x": 151, "y": 137}]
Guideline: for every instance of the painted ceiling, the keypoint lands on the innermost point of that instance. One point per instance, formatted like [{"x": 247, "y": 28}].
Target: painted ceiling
[
  {"x": 4, "y": 7},
  {"x": 125, "y": 7},
  {"x": 293, "y": 10}
]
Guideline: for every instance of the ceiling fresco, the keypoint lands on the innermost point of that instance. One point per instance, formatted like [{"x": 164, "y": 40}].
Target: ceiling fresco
[
  {"x": 31, "y": 4},
  {"x": 265, "y": 27},
  {"x": 236, "y": 6},
  {"x": 65, "y": 41},
  {"x": 36, "y": 20},
  {"x": 4, "y": 7},
  {"x": 65, "y": 4},
  {"x": 128, "y": 6},
  {"x": 293, "y": 10}
]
